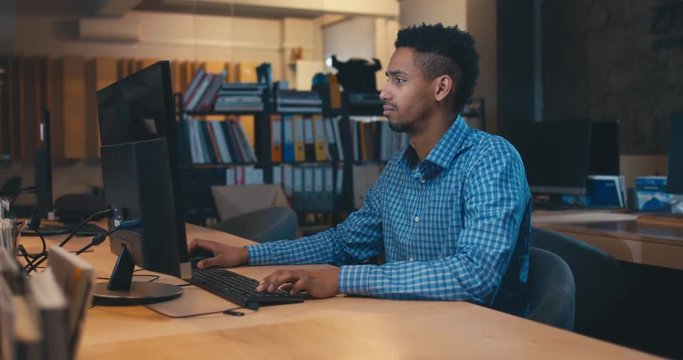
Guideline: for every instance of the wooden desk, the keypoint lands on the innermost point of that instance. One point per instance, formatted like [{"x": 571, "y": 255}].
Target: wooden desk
[
  {"x": 340, "y": 327},
  {"x": 620, "y": 235}
]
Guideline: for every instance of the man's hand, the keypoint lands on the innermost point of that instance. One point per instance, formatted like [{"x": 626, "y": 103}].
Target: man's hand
[
  {"x": 317, "y": 283},
  {"x": 223, "y": 255}
]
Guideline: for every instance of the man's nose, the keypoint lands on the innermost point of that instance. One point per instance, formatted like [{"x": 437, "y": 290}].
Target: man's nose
[{"x": 384, "y": 94}]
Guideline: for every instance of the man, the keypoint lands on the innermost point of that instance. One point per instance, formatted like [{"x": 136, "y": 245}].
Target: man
[{"x": 450, "y": 212}]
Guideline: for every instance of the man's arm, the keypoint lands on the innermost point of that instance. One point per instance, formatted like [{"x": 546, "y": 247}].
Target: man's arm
[
  {"x": 496, "y": 195},
  {"x": 356, "y": 239}
]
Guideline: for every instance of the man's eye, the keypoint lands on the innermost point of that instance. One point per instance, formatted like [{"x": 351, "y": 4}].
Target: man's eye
[{"x": 400, "y": 81}]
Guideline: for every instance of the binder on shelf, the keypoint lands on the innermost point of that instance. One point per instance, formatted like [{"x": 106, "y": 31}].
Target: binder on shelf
[
  {"x": 339, "y": 181},
  {"x": 297, "y": 187},
  {"x": 277, "y": 175},
  {"x": 299, "y": 135},
  {"x": 276, "y": 138},
  {"x": 308, "y": 195},
  {"x": 288, "y": 180},
  {"x": 331, "y": 141},
  {"x": 320, "y": 138},
  {"x": 328, "y": 188},
  {"x": 287, "y": 139},
  {"x": 317, "y": 199},
  {"x": 309, "y": 139}
]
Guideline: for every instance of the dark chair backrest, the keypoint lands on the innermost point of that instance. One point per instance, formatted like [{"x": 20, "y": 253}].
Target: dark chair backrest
[
  {"x": 262, "y": 225},
  {"x": 598, "y": 277},
  {"x": 551, "y": 290}
]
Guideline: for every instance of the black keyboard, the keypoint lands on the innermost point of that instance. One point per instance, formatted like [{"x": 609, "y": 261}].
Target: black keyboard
[{"x": 240, "y": 289}]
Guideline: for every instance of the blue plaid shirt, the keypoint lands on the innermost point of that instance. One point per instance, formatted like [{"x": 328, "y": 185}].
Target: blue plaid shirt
[{"x": 450, "y": 227}]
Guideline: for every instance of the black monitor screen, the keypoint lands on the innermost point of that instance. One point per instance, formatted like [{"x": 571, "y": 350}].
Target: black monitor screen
[
  {"x": 604, "y": 152},
  {"x": 140, "y": 169},
  {"x": 675, "y": 175},
  {"x": 555, "y": 154}
]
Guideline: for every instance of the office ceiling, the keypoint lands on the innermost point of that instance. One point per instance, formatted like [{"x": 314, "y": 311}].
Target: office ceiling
[
  {"x": 270, "y": 9},
  {"x": 226, "y": 9}
]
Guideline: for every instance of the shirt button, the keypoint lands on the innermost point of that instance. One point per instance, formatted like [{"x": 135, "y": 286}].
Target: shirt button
[
  {"x": 417, "y": 219},
  {"x": 411, "y": 259},
  {"x": 422, "y": 180}
]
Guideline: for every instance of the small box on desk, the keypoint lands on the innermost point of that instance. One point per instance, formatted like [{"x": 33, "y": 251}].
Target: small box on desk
[
  {"x": 606, "y": 191},
  {"x": 651, "y": 194}
]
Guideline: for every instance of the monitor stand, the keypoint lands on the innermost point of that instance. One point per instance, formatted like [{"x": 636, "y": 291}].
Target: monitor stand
[{"x": 122, "y": 290}]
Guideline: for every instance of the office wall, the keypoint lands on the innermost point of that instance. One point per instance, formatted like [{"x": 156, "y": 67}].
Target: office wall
[
  {"x": 481, "y": 23},
  {"x": 162, "y": 36},
  {"x": 599, "y": 63},
  {"x": 353, "y": 37},
  {"x": 447, "y": 12},
  {"x": 7, "y": 26}
]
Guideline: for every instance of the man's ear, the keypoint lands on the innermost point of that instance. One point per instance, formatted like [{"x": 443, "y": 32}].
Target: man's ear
[{"x": 444, "y": 86}]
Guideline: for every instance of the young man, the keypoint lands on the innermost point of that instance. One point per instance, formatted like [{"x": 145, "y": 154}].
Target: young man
[{"x": 450, "y": 212}]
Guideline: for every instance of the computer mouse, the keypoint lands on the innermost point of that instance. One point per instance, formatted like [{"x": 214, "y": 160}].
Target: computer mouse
[{"x": 198, "y": 254}]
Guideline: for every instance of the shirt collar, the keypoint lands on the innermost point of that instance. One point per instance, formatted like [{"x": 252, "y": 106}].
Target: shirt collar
[{"x": 442, "y": 155}]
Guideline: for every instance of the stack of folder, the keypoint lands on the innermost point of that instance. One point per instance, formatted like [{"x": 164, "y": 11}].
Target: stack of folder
[{"x": 41, "y": 315}]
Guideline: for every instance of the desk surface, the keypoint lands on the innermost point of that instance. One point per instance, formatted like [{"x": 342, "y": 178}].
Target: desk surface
[
  {"x": 620, "y": 235},
  {"x": 340, "y": 327}
]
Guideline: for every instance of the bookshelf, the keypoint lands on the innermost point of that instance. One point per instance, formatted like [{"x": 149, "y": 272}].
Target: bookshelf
[
  {"x": 307, "y": 157},
  {"x": 214, "y": 148},
  {"x": 294, "y": 146}
]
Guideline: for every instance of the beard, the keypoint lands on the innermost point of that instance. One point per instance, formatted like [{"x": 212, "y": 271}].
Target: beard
[{"x": 398, "y": 126}]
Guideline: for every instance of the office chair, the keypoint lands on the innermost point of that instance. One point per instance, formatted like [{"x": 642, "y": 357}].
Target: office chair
[
  {"x": 551, "y": 290},
  {"x": 262, "y": 225},
  {"x": 600, "y": 285}
]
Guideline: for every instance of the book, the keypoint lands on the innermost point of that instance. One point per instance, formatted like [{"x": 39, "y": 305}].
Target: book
[
  {"x": 6, "y": 321},
  {"x": 606, "y": 191},
  {"x": 651, "y": 193},
  {"x": 192, "y": 88},
  {"x": 27, "y": 335},
  {"x": 11, "y": 271},
  {"x": 76, "y": 278},
  {"x": 51, "y": 305}
]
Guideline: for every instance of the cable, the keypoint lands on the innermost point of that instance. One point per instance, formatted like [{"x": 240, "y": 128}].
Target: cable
[
  {"x": 231, "y": 312},
  {"x": 96, "y": 240},
  {"x": 153, "y": 276},
  {"x": 39, "y": 259},
  {"x": 90, "y": 218}
]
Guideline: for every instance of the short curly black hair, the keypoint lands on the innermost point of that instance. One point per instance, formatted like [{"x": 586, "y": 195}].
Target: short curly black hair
[{"x": 443, "y": 50}]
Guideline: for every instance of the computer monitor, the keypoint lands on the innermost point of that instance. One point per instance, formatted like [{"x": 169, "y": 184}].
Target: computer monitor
[
  {"x": 555, "y": 154},
  {"x": 42, "y": 176},
  {"x": 43, "y": 171},
  {"x": 674, "y": 179},
  {"x": 141, "y": 184},
  {"x": 604, "y": 148}
]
